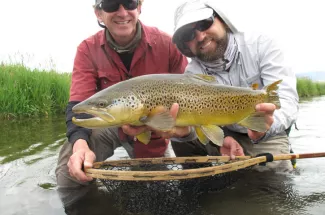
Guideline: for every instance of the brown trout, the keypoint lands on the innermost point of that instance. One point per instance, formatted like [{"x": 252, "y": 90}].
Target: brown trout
[{"x": 203, "y": 104}]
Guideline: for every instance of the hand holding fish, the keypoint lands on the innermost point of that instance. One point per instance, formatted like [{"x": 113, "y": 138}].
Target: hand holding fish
[
  {"x": 82, "y": 157},
  {"x": 175, "y": 132},
  {"x": 268, "y": 109}
]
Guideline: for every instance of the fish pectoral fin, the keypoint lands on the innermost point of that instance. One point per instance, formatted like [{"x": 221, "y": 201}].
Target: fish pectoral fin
[
  {"x": 214, "y": 133},
  {"x": 160, "y": 119},
  {"x": 255, "y": 122},
  {"x": 201, "y": 136},
  {"x": 144, "y": 137},
  {"x": 202, "y": 77}
]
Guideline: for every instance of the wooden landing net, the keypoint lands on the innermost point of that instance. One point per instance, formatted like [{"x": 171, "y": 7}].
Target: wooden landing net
[
  {"x": 164, "y": 186},
  {"x": 158, "y": 169}
]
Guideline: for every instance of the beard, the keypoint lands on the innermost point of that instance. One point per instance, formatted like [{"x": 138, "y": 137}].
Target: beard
[{"x": 218, "y": 53}]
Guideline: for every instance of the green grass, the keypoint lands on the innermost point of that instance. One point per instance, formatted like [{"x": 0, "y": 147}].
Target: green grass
[
  {"x": 26, "y": 92},
  {"x": 309, "y": 88}
]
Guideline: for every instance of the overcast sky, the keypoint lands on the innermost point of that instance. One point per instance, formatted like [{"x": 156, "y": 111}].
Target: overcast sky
[{"x": 47, "y": 32}]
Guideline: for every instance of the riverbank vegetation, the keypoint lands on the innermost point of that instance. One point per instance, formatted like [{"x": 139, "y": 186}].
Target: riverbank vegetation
[
  {"x": 308, "y": 88},
  {"x": 27, "y": 92}
]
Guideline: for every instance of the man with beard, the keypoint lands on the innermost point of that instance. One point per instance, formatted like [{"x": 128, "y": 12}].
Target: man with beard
[{"x": 216, "y": 47}]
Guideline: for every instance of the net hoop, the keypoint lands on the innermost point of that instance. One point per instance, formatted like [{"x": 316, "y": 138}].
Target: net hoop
[
  {"x": 227, "y": 165},
  {"x": 239, "y": 162}
]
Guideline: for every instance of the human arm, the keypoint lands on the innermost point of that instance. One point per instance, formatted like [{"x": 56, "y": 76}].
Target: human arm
[
  {"x": 273, "y": 67},
  {"x": 81, "y": 157},
  {"x": 83, "y": 85}
]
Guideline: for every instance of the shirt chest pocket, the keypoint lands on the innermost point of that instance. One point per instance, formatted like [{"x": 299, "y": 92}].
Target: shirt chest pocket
[{"x": 107, "y": 79}]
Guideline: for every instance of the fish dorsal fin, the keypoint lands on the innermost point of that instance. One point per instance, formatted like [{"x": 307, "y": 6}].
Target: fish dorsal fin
[
  {"x": 272, "y": 87},
  {"x": 202, "y": 77},
  {"x": 144, "y": 137},
  {"x": 272, "y": 95},
  {"x": 255, "y": 122},
  {"x": 159, "y": 118},
  {"x": 201, "y": 136},
  {"x": 214, "y": 133},
  {"x": 254, "y": 86}
]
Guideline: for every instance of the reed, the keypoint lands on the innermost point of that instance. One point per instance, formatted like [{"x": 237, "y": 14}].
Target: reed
[
  {"x": 308, "y": 88},
  {"x": 27, "y": 92}
]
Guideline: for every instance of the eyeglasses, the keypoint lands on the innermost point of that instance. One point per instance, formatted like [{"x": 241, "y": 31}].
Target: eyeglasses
[
  {"x": 110, "y": 6},
  {"x": 188, "y": 34}
]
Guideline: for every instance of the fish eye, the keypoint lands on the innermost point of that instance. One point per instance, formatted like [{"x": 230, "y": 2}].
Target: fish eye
[{"x": 102, "y": 104}]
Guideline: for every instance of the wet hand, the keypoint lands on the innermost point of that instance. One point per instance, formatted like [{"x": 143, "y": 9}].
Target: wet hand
[
  {"x": 268, "y": 109},
  {"x": 82, "y": 157},
  {"x": 175, "y": 132},
  {"x": 231, "y": 148}
]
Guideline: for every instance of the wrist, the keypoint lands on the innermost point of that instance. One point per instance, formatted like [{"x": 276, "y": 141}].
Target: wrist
[
  {"x": 258, "y": 139},
  {"x": 186, "y": 134},
  {"x": 80, "y": 144}
]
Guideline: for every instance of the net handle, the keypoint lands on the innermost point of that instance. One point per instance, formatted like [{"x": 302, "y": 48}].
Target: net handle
[
  {"x": 298, "y": 156},
  {"x": 242, "y": 162}
]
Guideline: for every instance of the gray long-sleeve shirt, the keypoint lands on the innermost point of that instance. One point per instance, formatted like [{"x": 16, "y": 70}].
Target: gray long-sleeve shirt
[{"x": 259, "y": 60}]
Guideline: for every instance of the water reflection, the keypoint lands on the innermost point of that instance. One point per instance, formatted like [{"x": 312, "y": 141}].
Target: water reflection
[
  {"x": 29, "y": 150},
  {"x": 28, "y": 155},
  {"x": 22, "y": 138}
]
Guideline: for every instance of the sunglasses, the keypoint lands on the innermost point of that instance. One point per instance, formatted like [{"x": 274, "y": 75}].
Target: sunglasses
[
  {"x": 188, "y": 34},
  {"x": 110, "y": 6}
]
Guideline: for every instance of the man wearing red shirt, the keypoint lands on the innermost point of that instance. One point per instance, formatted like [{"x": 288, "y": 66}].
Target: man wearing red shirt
[{"x": 125, "y": 48}]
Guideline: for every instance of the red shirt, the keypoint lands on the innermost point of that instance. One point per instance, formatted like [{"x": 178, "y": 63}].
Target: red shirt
[{"x": 97, "y": 66}]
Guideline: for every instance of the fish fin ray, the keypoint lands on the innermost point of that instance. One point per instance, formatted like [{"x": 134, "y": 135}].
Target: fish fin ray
[
  {"x": 144, "y": 137},
  {"x": 214, "y": 133},
  {"x": 201, "y": 136},
  {"x": 273, "y": 96},
  {"x": 255, "y": 122}
]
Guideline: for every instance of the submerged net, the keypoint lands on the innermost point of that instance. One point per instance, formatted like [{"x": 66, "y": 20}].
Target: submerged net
[{"x": 162, "y": 186}]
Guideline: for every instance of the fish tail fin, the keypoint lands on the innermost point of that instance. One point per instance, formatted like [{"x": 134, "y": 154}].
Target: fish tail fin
[{"x": 272, "y": 95}]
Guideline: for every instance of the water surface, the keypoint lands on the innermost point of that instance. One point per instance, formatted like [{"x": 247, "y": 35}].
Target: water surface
[{"x": 29, "y": 150}]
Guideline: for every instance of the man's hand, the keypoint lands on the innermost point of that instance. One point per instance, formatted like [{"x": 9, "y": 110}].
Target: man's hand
[
  {"x": 175, "y": 132},
  {"x": 268, "y": 109},
  {"x": 231, "y": 148},
  {"x": 81, "y": 156}
]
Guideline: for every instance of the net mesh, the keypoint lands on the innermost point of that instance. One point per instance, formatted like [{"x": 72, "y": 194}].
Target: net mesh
[{"x": 167, "y": 196}]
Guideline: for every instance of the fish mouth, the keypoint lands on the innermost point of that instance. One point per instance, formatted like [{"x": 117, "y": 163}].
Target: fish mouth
[
  {"x": 91, "y": 123},
  {"x": 97, "y": 112}
]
